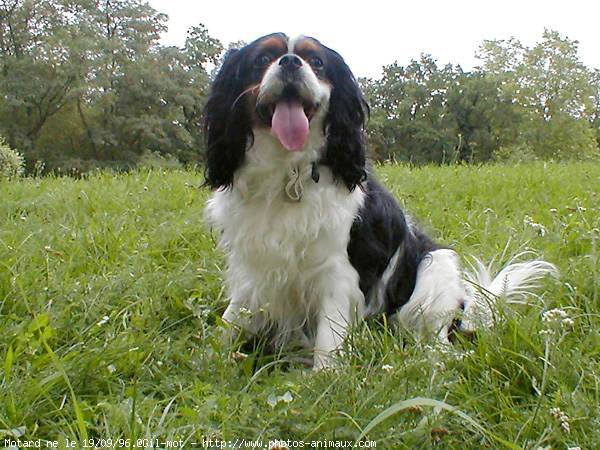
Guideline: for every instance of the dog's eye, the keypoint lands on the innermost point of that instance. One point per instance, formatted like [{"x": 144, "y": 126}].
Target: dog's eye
[
  {"x": 262, "y": 60},
  {"x": 316, "y": 62}
]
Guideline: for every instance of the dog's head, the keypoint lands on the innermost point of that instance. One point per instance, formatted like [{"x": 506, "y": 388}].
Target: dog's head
[{"x": 292, "y": 88}]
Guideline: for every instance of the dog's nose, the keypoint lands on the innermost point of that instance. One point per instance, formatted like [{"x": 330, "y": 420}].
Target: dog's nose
[{"x": 290, "y": 62}]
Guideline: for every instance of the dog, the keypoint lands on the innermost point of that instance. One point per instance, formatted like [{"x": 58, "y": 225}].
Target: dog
[{"x": 314, "y": 243}]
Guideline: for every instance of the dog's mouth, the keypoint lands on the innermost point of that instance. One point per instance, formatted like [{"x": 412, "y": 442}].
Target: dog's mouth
[{"x": 289, "y": 118}]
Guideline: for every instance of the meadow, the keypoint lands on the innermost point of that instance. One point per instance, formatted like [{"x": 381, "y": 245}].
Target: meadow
[{"x": 111, "y": 291}]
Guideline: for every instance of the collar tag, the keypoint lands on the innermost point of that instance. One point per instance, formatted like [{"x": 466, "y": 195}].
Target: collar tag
[{"x": 294, "y": 187}]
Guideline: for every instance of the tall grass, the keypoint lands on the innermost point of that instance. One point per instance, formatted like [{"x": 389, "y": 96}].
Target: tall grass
[{"x": 111, "y": 291}]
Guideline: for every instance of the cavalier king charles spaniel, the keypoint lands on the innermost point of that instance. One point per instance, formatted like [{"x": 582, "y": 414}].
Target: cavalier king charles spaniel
[{"x": 313, "y": 241}]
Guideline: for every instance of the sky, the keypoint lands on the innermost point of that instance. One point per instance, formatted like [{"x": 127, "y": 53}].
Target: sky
[{"x": 372, "y": 33}]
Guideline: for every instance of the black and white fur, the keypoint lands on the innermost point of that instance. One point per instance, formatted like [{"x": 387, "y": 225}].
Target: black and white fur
[{"x": 313, "y": 241}]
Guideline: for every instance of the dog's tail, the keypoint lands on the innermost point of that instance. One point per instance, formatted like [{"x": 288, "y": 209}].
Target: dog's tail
[{"x": 515, "y": 283}]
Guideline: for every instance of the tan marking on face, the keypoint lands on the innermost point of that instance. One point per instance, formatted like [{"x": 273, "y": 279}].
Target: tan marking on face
[
  {"x": 306, "y": 46},
  {"x": 276, "y": 44}
]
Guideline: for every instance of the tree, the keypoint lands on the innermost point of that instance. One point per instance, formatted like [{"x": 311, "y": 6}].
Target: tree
[
  {"x": 553, "y": 90},
  {"x": 39, "y": 73},
  {"x": 87, "y": 83},
  {"x": 408, "y": 120},
  {"x": 126, "y": 34},
  {"x": 485, "y": 118},
  {"x": 593, "y": 113}
]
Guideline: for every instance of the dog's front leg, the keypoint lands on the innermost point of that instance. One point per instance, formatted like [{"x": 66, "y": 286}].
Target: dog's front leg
[
  {"x": 233, "y": 323},
  {"x": 239, "y": 319},
  {"x": 341, "y": 304}
]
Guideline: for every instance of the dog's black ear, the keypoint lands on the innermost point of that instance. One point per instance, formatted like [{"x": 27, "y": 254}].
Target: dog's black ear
[
  {"x": 346, "y": 150},
  {"x": 227, "y": 127}
]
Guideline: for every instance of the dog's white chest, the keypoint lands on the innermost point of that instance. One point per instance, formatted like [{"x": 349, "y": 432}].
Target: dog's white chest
[
  {"x": 278, "y": 249},
  {"x": 276, "y": 232}
]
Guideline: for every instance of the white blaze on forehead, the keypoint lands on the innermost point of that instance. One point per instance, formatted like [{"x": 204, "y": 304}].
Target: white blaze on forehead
[{"x": 293, "y": 41}]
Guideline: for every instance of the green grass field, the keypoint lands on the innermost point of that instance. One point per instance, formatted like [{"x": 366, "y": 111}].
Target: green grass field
[{"x": 111, "y": 291}]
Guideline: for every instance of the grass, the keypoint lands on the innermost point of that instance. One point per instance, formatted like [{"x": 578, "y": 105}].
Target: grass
[{"x": 111, "y": 292}]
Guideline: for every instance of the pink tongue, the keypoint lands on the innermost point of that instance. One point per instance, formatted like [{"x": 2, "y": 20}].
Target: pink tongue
[{"x": 290, "y": 125}]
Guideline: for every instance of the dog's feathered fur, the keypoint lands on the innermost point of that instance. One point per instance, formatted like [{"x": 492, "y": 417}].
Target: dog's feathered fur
[{"x": 313, "y": 241}]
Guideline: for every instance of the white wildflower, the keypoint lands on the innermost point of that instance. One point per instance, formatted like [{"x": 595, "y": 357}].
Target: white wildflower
[
  {"x": 273, "y": 399},
  {"x": 558, "y": 317},
  {"x": 541, "y": 230},
  {"x": 567, "y": 322},
  {"x": 546, "y": 332},
  {"x": 387, "y": 368},
  {"x": 103, "y": 321},
  {"x": 554, "y": 315},
  {"x": 458, "y": 355},
  {"x": 562, "y": 417}
]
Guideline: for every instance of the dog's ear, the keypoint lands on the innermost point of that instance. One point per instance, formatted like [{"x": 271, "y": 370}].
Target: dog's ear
[
  {"x": 227, "y": 127},
  {"x": 345, "y": 153}
]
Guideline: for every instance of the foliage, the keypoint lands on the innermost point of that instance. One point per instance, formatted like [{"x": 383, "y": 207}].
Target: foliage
[
  {"x": 154, "y": 160},
  {"x": 408, "y": 111},
  {"x": 541, "y": 98},
  {"x": 12, "y": 164},
  {"x": 111, "y": 291},
  {"x": 593, "y": 113},
  {"x": 88, "y": 81},
  {"x": 515, "y": 154},
  {"x": 87, "y": 84},
  {"x": 554, "y": 92}
]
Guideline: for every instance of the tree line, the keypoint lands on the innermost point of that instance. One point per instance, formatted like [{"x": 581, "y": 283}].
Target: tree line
[
  {"x": 521, "y": 103},
  {"x": 87, "y": 83}
]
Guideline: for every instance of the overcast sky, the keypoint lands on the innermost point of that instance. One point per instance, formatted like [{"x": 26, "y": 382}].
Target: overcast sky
[{"x": 372, "y": 33}]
